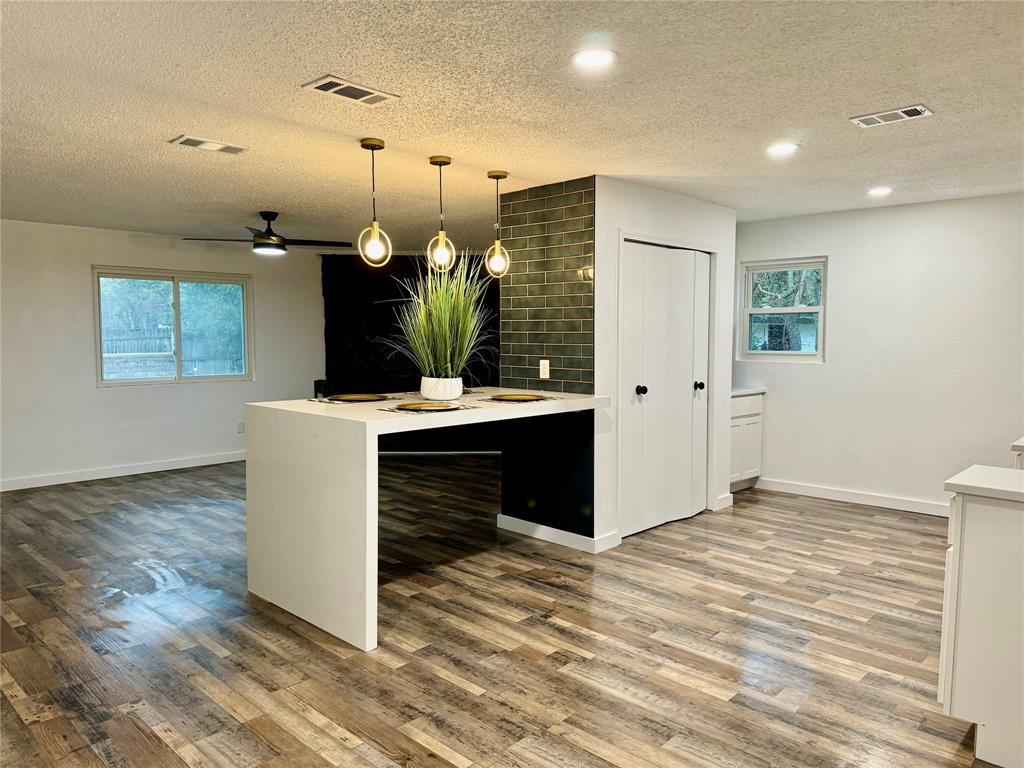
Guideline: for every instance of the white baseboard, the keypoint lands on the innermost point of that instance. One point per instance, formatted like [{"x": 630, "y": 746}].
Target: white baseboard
[
  {"x": 723, "y": 501},
  {"x": 100, "y": 473},
  {"x": 556, "y": 536},
  {"x": 923, "y": 506}
]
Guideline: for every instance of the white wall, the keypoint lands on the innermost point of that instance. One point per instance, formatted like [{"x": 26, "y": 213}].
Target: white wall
[
  {"x": 924, "y": 351},
  {"x": 59, "y": 426},
  {"x": 659, "y": 215}
]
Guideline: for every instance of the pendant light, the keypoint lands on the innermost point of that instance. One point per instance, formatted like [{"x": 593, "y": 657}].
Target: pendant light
[
  {"x": 440, "y": 250},
  {"x": 496, "y": 258},
  {"x": 374, "y": 243}
]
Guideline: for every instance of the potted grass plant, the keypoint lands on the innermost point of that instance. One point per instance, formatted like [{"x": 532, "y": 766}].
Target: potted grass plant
[{"x": 442, "y": 325}]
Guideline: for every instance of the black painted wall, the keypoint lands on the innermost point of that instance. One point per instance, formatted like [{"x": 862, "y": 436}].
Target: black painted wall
[{"x": 359, "y": 309}]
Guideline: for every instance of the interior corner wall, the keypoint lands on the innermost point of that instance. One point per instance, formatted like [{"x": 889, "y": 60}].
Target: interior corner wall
[
  {"x": 924, "y": 351},
  {"x": 654, "y": 214},
  {"x": 59, "y": 426}
]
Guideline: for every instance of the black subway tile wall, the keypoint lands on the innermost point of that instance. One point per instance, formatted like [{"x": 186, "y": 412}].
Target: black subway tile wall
[{"x": 547, "y": 297}]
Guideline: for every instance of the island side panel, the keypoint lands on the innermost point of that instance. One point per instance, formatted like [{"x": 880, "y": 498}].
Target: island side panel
[
  {"x": 547, "y": 471},
  {"x": 311, "y": 519}
]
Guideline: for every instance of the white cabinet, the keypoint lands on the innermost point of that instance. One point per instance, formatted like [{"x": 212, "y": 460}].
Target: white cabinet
[
  {"x": 981, "y": 661},
  {"x": 745, "y": 435}
]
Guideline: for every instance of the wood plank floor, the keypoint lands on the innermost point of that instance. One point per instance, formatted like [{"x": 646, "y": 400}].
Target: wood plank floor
[{"x": 781, "y": 632}]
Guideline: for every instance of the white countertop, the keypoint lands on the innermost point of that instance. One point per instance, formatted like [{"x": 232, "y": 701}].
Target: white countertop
[
  {"x": 992, "y": 482},
  {"x": 1017, "y": 446},
  {"x": 744, "y": 391},
  {"x": 481, "y": 409}
]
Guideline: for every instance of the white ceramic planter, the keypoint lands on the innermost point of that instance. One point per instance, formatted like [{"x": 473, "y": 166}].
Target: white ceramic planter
[{"x": 441, "y": 389}]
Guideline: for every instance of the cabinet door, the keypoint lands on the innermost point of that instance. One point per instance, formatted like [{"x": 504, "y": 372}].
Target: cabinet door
[
  {"x": 735, "y": 451},
  {"x": 751, "y": 465}
]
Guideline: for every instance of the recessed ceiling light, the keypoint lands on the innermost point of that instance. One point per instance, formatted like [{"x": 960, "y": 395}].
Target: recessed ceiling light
[
  {"x": 880, "y": 191},
  {"x": 784, "y": 149},
  {"x": 594, "y": 59}
]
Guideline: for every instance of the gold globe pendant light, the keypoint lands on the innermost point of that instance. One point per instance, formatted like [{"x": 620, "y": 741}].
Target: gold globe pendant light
[
  {"x": 374, "y": 243},
  {"x": 496, "y": 258},
  {"x": 440, "y": 250}
]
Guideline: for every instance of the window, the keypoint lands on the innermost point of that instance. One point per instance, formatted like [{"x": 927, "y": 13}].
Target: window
[
  {"x": 783, "y": 315},
  {"x": 155, "y": 326}
]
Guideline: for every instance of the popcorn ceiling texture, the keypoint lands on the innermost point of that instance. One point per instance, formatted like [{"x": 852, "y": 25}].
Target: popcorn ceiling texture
[
  {"x": 93, "y": 91},
  {"x": 547, "y": 297}
]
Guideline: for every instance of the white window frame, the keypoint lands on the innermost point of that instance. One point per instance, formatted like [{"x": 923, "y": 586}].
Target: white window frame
[
  {"x": 743, "y": 351},
  {"x": 175, "y": 276}
]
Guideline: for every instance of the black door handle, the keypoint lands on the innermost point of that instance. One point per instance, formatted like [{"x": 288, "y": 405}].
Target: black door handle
[
  {"x": 641, "y": 390},
  {"x": 698, "y": 385}
]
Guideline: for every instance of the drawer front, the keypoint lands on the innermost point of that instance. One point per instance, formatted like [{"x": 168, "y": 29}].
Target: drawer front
[{"x": 747, "y": 405}]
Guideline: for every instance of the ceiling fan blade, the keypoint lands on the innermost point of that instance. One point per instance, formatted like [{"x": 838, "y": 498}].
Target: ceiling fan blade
[
  {"x": 320, "y": 243},
  {"x": 217, "y": 239},
  {"x": 255, "y": 231}
]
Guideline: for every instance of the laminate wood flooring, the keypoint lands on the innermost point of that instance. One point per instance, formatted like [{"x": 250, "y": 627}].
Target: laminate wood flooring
[{"x": 784, "y": 631}]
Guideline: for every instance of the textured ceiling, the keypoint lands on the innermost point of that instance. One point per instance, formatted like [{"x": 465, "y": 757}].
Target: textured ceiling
[{"x": 92, "y": 91}]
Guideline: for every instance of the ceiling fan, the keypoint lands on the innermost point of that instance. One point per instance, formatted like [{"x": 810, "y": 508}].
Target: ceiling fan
[{"x": 268, "y": 243}]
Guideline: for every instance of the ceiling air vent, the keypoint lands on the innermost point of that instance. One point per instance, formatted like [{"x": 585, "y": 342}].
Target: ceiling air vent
[
  {"x": 891, "y": 116},
  {"x": 339, "y": 86},
  {"x": 208, "y": 144}
]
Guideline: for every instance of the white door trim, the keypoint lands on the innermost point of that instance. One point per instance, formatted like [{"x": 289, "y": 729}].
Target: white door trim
[{"x": 711, "y": 499}]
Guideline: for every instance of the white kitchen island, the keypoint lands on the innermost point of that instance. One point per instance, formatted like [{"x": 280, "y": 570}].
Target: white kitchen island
[{"x": 311, "y": 491}]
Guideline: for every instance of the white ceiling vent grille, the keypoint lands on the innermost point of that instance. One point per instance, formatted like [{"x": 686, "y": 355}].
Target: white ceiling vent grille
[
  {"x": 208, "y": 144},
  {"x": 339, "y": 86},
  {"x": 891, "y": 116}
]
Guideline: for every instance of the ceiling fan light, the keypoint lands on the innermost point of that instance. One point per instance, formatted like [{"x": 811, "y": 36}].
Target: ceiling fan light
[
  {"x": 269, "y": 249},
  {"x": 374, "y": 245}
]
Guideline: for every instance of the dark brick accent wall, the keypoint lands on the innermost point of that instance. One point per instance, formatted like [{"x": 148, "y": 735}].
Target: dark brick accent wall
[{"x": 547, "y": 297}]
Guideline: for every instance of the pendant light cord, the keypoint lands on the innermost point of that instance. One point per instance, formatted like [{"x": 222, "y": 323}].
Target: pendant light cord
[
  {"x": 497, "y": 210},
  {"x": 440, "y": 195},
  {"x": 373, "y": 182}
]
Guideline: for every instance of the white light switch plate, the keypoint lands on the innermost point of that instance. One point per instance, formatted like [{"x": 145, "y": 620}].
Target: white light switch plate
[{"x": 545, "y": 369}]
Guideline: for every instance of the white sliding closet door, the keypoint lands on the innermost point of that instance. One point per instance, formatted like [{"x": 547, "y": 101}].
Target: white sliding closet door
[{"x": 662, "y": 398}]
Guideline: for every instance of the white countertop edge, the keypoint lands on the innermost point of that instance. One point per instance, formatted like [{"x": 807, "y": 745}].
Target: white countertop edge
[
  {"x": 378, "y": 421},
  {"x": 992, "y": 482},
  {"x": 1017, "y": 445},
  {"x": 744, "y": 391}
]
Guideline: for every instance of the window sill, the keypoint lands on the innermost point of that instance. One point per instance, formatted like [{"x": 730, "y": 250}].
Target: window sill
[
  {"x": 165, "y": 382},
  {"x": 771, "y": 358}
]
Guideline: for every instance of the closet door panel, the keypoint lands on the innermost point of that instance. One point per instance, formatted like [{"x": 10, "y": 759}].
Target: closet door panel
[
  {"x": 629, "y": 414},
  {"x": 668, "y": 365},
  {"x": 657, "y": 403},
  {"x": 701, "y": 397}
]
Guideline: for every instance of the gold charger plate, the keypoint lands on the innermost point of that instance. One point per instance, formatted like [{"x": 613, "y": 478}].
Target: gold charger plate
[
  {"x": 427, "y": 406},
  {"x": 513, "y": 397},
  {"x": 357, "y": 398}
]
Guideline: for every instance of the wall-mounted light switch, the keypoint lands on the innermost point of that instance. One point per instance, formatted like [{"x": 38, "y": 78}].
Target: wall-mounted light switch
[{"x": 545, "y": 369}]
